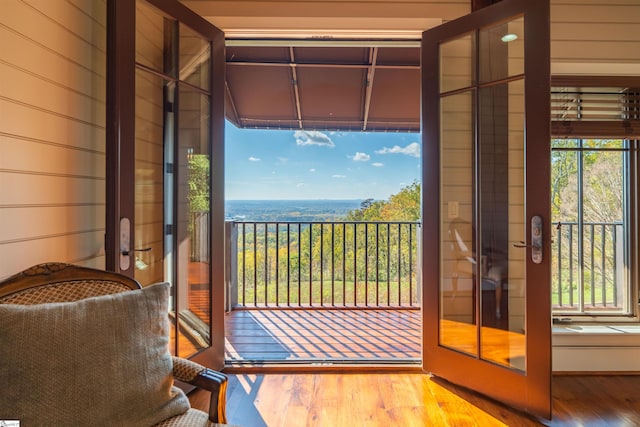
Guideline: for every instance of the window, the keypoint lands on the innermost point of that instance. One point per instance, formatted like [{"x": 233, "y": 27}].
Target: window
[
  {"x": 595, "y": 127},
  {"x": 590, "y": 212}
]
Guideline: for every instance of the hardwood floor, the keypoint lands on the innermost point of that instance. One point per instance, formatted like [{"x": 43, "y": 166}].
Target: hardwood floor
[
  {"x": 291, "y": 397},
  {"x": 413, "y": 399}
]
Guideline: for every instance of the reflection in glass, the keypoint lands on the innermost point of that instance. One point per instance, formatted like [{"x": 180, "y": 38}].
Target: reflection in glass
[
  {"x": 195, "y": 55},
  {"x": 457, "y": 69},
  {"x": 502, "y": 267},
  {"x": 502, "y": 41},
  {"x": 458, "y": 262},
  {"x": 149, "y": 179},
  {"x": 154, "y": 36},
  {"x": 192, "y": 222}
]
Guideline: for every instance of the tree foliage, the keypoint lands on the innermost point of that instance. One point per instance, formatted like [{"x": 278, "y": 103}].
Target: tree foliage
[
  {"x": 199, "y": 190},
  {"x": 588, "y": 199},
  {"x": 601, "y": 180},
  {"x": 403, "y": 206},
  {"x": 369, "y": 258}
]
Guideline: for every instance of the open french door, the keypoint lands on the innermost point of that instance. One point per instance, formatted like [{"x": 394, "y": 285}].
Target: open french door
[
  {"x": 165, "y": 164},
  {"x": 486, "y": 214}
]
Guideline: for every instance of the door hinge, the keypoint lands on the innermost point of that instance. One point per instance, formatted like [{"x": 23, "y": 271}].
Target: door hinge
[
  {"x": 169, "y": 107},
  {"x": 169, "y": 168},
  {"x": 168, "y": 229}
]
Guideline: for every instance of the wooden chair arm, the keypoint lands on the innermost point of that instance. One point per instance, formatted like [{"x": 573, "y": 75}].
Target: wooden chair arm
[{"x": 213, "y": 381}]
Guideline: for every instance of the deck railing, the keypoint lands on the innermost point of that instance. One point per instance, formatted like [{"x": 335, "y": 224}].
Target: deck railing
[
  {"x": 376, "y": 265},
  {"x": 323, "y": 264},
  {"x": 589, "y": 267}
]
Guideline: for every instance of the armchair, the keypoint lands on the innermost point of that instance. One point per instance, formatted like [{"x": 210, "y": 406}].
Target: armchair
[{"x": 32, "y": 303}]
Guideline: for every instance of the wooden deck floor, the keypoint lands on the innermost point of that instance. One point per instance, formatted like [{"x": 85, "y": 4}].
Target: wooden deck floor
[{"x": 271, "y": 335}]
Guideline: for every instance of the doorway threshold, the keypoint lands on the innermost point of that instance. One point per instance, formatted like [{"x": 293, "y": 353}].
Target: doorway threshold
[{"x": 324, "y": 365}]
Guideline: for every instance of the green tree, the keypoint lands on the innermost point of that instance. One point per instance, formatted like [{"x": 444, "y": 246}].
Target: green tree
[
  {"x": 587, "y": 181},
  {"x": 403, "y": 206},
  {"x": 199, "y": 190}
]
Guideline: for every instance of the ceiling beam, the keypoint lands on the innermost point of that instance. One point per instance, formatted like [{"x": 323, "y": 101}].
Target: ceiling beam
[
  {"x": 338, "y": 125},
  {"x": 296, "y": 91},
  {"x": 235, "y": 117},
  {"x": 373, "y": 59},
  {"x": 323, "y": 65}
]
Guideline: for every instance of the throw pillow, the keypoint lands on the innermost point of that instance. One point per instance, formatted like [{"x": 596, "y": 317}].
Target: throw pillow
[{"x": 101, "y": 361}]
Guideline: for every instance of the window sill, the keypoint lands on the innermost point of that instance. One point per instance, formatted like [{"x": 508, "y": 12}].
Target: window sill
[
  {"x": 596, "y": 348},
  {"x": 596, "y": 335}
]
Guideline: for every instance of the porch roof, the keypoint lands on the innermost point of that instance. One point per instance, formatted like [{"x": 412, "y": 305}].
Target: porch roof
[{"x": 350, "y": 88}]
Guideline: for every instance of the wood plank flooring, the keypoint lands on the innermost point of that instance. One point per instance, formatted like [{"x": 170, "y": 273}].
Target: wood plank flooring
[
  {"x": 328, "y": 334},
  {"x": 292, "y": 397},
  {"x": 413, "y": 399}
]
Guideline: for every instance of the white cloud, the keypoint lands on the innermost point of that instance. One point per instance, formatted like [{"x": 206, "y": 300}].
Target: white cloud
[
  {"x": 312, "y": 137},
  {"x": 412, "y": 150},
  {"x": 312, "y": 170},
  {"x": 254, "y": 159},
  {"x": 300, "y": 184},
  {"x": 361, "y": 157},
  {"x": 377, "y": 164},
  {"x": 338, "y": 176},
  {"x": 283, "y": 160}
]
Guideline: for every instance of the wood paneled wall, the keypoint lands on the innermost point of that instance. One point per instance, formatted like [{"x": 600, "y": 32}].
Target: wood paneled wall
[
  {"x": 52, "y": 132},
  {"x": 595, "y": 37}
]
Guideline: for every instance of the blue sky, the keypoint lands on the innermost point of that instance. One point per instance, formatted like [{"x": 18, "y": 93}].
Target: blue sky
[{"x": 279, "y": 164}]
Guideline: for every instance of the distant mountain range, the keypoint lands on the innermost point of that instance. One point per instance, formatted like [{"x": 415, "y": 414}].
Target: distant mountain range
[{"x": 289, "y": 210}]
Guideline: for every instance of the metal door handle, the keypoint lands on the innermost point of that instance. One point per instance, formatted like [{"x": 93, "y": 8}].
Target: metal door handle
[
  {"x": 536, "y": 240},
  {"x": 126, "y": 253},
  {"x": 522, "y": 245}
]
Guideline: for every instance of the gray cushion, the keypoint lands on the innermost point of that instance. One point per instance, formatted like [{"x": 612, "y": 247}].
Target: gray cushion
[{"x": 94, "y": 362}]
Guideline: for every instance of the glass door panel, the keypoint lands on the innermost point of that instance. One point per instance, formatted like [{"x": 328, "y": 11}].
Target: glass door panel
[
  {"x": 504, "y": 41},
  {"x": 195, "y": 59},
  {"x": 193, "y": 220},
  {"x": 165, "y": 159},
  {"x": 486, "y": 133},
  {"x": 502, "y": 224},
  {"x": 149, "y": 245},
  {"x": 154, "y": 146},
  {"x": 154, "y": 33},
  {"x": 457, "y": 69},
  {"x": 153, "y": 78},
  {"x": 458, "y": 262},
  {"x": 172, "y": 171}
]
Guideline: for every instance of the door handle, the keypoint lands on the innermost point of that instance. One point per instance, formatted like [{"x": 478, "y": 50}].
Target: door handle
[
  {"x": 536, "y": 240},
  {"x": 125, "y": 239},
  {"x": 127, "y": 253}
]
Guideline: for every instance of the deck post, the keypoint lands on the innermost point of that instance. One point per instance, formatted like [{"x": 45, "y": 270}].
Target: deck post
[{"x": 231, "y": 265}]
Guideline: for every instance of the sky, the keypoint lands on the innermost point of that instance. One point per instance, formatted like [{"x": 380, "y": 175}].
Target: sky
[{"x": 303, "y": 165}]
